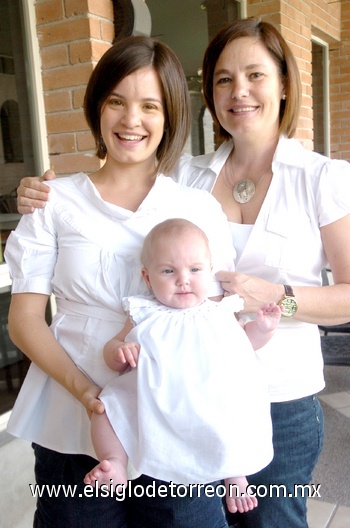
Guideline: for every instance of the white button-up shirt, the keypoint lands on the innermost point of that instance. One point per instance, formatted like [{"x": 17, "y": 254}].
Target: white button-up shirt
[
  {"x": 87, "y": 252},
  {"x": 284, "y": 246}
]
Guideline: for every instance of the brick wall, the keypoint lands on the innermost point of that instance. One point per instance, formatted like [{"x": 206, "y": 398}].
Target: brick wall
[{"x": 296, "y": 20}]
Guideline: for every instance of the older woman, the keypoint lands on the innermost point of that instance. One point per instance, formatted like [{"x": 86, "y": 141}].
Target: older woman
[{"x": 288, "y": 211}]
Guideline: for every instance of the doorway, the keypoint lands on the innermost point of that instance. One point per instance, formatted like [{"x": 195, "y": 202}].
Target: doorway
[
  {"x": 187, "y": 26},
  {"x": 17, "y": 159}
]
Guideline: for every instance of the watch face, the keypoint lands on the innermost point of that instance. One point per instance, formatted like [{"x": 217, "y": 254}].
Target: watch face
[{"x": 290, "y": 306}]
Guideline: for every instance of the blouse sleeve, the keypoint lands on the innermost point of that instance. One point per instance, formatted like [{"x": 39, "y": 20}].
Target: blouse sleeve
[
  {"x": 232, "y": 303},
  {"x": 333, "y": 193},
  {"x": 31, "y": 252},
  {"x": 136, "y": 306}
]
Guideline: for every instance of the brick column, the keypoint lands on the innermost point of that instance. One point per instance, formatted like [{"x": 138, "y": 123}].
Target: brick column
[{"x": 73, "y": 34}]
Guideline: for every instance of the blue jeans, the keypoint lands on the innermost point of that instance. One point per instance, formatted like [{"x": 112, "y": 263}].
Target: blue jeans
[
  {"x": 185, "y": 512},
  {"x": 136, "y": 510},
  {"x": 298, "y": 441}
]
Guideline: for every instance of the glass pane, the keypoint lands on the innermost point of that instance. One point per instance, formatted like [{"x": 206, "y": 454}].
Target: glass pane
[{"x": 318, "y": 97}]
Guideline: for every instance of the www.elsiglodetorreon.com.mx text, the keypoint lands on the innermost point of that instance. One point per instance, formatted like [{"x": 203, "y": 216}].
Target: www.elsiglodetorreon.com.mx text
[{"x": 120, "y": 492}]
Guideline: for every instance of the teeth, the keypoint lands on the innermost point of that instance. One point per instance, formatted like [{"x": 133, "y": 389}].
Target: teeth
[
  {"x": 130, "y": 138},
  {"x": 246, "y": 109}
]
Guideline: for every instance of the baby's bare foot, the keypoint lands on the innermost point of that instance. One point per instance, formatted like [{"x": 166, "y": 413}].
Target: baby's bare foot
[
  {"x": 237, "y": 498},
  {"x": 111, "y": 472}
]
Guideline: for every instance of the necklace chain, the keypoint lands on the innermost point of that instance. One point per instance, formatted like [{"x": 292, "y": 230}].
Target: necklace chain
[{"x": 244, "y": 190}]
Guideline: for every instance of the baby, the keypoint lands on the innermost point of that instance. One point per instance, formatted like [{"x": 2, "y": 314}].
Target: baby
[{"x": 193, "y": 408}]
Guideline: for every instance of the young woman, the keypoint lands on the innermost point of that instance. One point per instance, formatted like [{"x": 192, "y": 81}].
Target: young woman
[{"x": 84, "y": 247}]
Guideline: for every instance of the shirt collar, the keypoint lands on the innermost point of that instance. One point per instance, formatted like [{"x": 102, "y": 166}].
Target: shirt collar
[
  {"x": 289, "y": 152},
  {"x": 215, "y": 161}
]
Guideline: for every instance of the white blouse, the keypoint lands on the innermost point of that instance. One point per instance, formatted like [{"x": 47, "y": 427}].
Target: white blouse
[
  {"x": 86, "y": 251},
  {"x": 307, "y": 191}
]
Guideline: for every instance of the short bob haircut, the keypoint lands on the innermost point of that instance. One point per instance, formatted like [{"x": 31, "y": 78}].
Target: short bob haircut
[
  {"x": 280, "y": 52},
  {"x": 125, "y": 57}
]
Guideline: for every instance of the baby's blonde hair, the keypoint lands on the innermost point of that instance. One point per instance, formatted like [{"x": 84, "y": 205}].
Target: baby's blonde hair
[{"x": 169, "y": 228}]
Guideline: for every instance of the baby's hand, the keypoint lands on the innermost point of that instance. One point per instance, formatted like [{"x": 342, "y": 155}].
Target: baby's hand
[
  {"x": 268, "y": 316},
  {"x": 128, "y": 353}
]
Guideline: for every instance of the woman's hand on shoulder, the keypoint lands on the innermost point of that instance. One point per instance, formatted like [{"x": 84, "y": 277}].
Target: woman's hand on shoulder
[
  {"x": 32, "y": 193},
  {"x": 253, "y": 290}
]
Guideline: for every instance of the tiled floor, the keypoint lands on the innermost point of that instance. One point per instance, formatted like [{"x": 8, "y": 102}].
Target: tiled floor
[
  {"x": 16, "y": 470},
  {"x": 324, "y": 514},
  {"x": 339, "y": 401}
]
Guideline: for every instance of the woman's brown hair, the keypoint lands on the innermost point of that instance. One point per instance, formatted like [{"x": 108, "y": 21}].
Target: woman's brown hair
[
  {"x": 280, "y": 52},
  {"x": 125, "y": 57}
]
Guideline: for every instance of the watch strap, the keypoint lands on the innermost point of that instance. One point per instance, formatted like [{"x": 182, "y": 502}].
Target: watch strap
[{"x": 288, "y": 290}]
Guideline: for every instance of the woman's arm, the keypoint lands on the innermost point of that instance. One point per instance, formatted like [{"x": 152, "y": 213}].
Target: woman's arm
[
  {"x": 32, "y": 193},
  {"x": 324, "y": 305},
  {"x": 30, "y": 332}
]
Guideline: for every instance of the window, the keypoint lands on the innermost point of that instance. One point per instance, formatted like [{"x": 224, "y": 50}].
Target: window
[
  {"x": 131, "y": 17},
  {"x": 320, "y": 96},
  {"x": 22, "y": 153},
  {"x": 11, "y": 132}
]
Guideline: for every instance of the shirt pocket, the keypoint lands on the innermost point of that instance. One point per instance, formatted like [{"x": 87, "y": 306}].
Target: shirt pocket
[
  {"x": 277, "y": 236},
  {"x": 291, "y": 244}
]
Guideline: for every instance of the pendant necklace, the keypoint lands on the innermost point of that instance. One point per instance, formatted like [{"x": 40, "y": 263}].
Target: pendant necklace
[{"x": 244, "y": 189}]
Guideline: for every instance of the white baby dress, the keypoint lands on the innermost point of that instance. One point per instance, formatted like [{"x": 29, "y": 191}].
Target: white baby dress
[{"x": 195, "y": 409}]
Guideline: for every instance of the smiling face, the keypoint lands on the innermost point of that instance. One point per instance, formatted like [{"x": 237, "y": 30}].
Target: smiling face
[
  {"x": 247, "y": 89},
  {"x": 178, "y": 268},
  {"x": 132, "y": 119}
]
